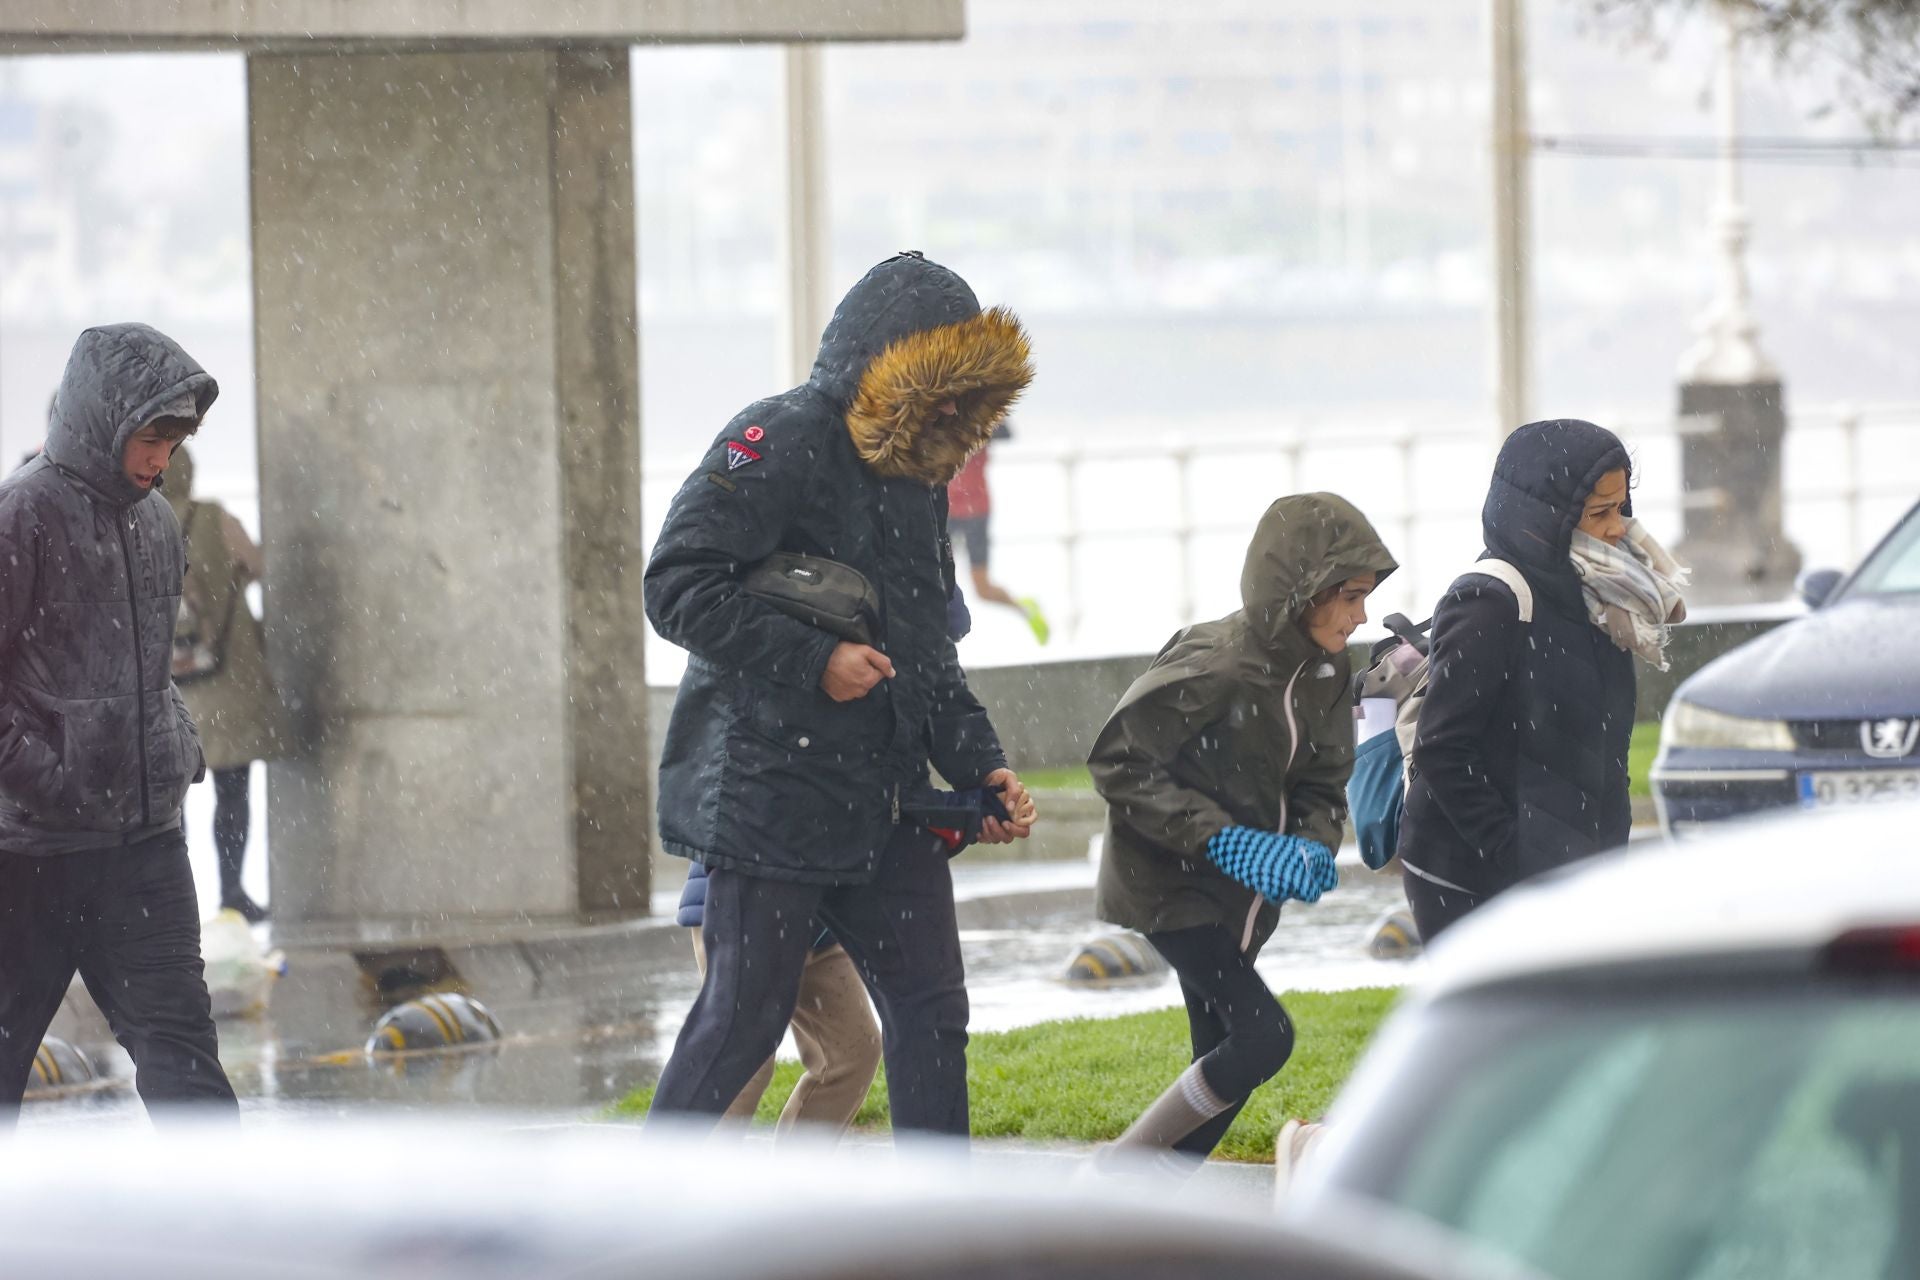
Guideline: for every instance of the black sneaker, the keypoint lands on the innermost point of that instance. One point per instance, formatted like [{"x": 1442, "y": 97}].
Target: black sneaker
[{"x": 250, "y": 911}]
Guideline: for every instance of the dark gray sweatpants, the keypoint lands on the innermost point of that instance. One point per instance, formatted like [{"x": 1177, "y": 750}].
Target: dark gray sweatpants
[
  {"x": 128, "y": 921},
  {"x": 901, "y": 933}
]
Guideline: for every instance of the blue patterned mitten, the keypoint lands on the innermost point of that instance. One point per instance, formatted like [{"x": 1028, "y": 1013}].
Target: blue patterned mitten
[{"x": 1276, "y": 867}]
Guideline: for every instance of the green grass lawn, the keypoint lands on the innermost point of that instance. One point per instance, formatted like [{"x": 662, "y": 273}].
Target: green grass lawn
[
  {"x": 1085, "y": 1079},
  {"x": 1073, "y": 777},
  {"x": 1646, "y": 743}
]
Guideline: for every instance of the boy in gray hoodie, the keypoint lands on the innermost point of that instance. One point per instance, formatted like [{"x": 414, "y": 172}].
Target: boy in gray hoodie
[{"x": 96, "y": 748}]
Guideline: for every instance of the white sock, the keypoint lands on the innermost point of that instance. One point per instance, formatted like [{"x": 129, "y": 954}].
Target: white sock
[{"x": 1188, "y": 1103}]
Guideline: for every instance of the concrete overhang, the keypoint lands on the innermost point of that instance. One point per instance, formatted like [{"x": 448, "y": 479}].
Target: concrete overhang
[{"x": 360, "y": 26}]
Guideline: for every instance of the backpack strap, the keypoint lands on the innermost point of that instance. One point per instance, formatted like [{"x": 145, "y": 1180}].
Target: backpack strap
[
  {"x": 1515, "y": 581},
  {"x": 1417, "y": 634}
]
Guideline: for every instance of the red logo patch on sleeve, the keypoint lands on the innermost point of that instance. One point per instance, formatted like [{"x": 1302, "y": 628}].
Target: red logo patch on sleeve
[
  {"x": 738, "y": 455},
  {"x": 755, "y": 434}
]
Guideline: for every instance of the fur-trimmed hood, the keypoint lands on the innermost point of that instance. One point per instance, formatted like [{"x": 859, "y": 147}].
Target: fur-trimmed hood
[{"x": 906, "y": 338}]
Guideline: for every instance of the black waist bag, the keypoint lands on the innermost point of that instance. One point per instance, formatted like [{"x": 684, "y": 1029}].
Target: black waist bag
[{"x": 822, "y": 593}]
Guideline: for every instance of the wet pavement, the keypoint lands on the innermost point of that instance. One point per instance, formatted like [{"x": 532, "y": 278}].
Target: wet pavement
[{"x": 585, "y": 1030}]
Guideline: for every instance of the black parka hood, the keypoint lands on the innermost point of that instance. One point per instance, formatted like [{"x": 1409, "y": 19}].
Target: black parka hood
[
  {"x": 909, "y": 335},
  {"x": 118, "y": 379},
  {"x": 1540, "y": 484},
  {"x": 1305, "y": 543}
]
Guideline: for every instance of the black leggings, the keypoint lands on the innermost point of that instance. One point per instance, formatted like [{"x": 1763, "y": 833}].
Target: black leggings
[
  {"x": 232, "y": 816},
  {"x": 1241, "y": 1033}
]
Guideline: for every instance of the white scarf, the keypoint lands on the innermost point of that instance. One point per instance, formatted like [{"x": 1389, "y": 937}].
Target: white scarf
[{"x": 1632, "y": 590}]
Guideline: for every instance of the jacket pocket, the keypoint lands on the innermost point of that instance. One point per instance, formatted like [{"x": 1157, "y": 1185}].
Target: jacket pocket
[
  {"x": 804, "y": 793},
  {"x": 190, "y": 763},
  {"x": 807, "y": 720},
  {"x": 32, "y": 755},
  {"x": 173, "y": 756}
]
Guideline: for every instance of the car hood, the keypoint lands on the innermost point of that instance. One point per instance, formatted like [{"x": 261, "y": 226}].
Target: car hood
[{"x": 1856, "y": 659}]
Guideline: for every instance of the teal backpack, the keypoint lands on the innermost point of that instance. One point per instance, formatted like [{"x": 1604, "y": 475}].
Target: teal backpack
[{"x": 1397, "y": 670}]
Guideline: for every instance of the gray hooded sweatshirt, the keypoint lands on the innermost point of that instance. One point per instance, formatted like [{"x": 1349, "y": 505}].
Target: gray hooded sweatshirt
[{"x": 96, "y": 748}]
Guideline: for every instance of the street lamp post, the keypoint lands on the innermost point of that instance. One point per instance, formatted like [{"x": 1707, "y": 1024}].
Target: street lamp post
[
  {"x": 1733, "y": 400},
  {"x": 1512, "y": 235},
  {"x": 805, "y": 248}
]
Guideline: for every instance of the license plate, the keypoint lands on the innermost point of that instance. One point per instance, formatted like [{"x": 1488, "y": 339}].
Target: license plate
[{"x": 1861, "y": 786}]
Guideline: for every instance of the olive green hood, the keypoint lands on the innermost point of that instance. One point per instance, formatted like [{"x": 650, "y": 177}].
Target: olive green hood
[{"x": 1305, "y": 543}]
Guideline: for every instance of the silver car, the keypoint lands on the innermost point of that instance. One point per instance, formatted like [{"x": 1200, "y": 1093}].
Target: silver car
[
  {"x": 1676, "y": 1062},
  {"x": 379, "y": 1197}
]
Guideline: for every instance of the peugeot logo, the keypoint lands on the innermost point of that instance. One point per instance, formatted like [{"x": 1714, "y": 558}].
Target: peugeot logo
[{"x": 1889, "y": 739}]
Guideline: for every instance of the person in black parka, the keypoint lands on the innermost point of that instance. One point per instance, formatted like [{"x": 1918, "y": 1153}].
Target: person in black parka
[
  {"x": 97, "y": 749},
  {"x": 1520, "y": 763},
  {"x": 791, "y": 755}
]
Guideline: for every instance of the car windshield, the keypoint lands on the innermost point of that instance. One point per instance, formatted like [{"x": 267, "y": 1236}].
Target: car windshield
[
  {"x": 1894, "y": 569},
  {"x": 1758, "y": 1136}
]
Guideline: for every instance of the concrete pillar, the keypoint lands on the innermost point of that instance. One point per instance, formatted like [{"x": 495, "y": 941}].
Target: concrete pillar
[
  {"x": 1733, "y": 527},
  {"x": 598, "y": 380},
  {"x": 449, "y": 441}
]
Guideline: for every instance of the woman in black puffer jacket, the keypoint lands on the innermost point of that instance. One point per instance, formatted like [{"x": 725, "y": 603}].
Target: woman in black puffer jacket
[{"x": 1520, "y": 764}]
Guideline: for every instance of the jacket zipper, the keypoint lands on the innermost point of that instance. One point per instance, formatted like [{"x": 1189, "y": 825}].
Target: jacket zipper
[
  {"x": 893, "y": 709},
  {"x": 1293, "y": 743},
  {"x": 139, "y": 674},
  {"x": 1293, "y": 749}
]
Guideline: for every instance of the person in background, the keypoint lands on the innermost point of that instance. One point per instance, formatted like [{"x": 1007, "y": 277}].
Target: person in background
[
  {"x": 53, "y": 407},
  {"x": 1520, "y": 762},
  {"x": 220, "y": 664},
  {"x": 97, "y": 748},
  {"x": 1224, "y": 768},
  {"x": 970, "y": 520}
]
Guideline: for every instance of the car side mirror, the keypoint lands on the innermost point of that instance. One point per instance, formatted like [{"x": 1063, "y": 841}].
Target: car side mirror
[{"x": 1816, "y": 585}]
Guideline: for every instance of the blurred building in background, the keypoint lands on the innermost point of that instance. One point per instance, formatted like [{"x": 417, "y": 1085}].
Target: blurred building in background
[{"x": 1224, "y": 222}]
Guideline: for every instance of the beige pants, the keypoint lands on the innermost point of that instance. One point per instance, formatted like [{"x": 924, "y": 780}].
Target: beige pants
[{"x": 839, "y": 1044}]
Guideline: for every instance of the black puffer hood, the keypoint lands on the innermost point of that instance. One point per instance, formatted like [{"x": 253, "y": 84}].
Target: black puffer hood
[
  {"x": 905, "y": 294},
  {"x": 117, "y": 380},
  {"x": 1540, "y": 483}
]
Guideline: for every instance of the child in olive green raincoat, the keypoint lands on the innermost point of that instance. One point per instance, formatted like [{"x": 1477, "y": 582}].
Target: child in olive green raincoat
[{"x": 1225, "y": 770}]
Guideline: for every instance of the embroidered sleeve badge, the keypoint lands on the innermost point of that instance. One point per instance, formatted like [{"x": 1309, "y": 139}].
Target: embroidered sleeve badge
[{"x": 739, "y": 455}]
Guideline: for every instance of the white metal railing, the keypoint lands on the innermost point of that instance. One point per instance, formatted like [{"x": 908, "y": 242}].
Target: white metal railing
[
  {"x": 1119, "y": 567},
  {"x": 1084, "y": 547}
]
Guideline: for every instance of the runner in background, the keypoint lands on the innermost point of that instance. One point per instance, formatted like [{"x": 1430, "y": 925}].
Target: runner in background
[{"x": 969, "y": 515}]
